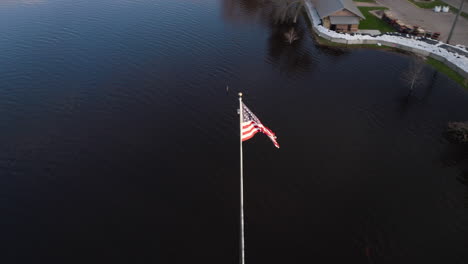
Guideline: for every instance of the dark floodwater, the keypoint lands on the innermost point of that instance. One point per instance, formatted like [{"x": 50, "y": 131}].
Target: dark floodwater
[{"x": 119, "y": 141}]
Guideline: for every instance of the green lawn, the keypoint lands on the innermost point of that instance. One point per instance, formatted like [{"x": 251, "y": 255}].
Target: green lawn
[
  {"x": 440, "y": 66},
  {"x": 431, "y": 5},
  {"x": 372, "y": 22}
]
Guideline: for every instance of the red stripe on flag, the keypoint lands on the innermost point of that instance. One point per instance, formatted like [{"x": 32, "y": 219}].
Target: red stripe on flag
[
  {"x": 249, "y": 137},
  {"x": 246, "y": 126},
  {"x": 250, "y": 130}
]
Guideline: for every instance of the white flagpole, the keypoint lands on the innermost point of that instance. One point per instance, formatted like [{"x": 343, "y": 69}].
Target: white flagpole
[{"x": 242, "y": 244}]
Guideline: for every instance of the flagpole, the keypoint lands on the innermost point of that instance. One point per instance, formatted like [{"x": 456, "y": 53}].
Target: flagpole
[{"x": 242, "y": 242}]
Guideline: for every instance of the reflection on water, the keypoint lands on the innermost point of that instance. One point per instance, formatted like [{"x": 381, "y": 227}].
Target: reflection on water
[
  {"x": 5, "y": 3},
  {"x": 292, "y": 58},
  {"x": 23, "y": 1},
  {"x": 288, "y": 57},
  {"x": 246, "y": 11}
]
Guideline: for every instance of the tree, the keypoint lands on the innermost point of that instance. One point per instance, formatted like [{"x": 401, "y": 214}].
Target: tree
[
  {"x": 413, "y": 76},
  {"x": 291, "y": 36}
]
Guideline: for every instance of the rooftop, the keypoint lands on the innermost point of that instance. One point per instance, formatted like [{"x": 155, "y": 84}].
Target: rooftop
[{"x": 327, "y": 7}]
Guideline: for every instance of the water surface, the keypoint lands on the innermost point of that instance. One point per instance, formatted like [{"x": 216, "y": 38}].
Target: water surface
[{"x": 119, "y": 141}]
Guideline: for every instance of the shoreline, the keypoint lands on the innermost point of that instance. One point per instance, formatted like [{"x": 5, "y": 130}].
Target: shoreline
[
  {"x": 433, "y": 63},
  {"x": 454, "y": 66}
]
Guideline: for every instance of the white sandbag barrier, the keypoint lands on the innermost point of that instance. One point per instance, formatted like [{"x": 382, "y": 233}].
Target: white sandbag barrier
[{"x": 454, "y": 57}]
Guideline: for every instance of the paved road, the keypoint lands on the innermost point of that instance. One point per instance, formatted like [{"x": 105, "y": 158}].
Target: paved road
[
  {"x": 456, "y": 3},
  {"x": 429, "y": 20},
  {"x": 366, "y": 4}
]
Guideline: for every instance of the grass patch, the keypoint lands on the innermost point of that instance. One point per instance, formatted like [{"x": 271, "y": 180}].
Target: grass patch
[
  {"x": 431, "y": 5},
  {"x": 441, "y": 67},
  {"x": 373, "y": 22},
  {"x": 455, "y": 10}
]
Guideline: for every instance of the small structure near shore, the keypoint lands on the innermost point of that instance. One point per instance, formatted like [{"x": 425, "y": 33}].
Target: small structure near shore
[{"x": 339, "y": 15}]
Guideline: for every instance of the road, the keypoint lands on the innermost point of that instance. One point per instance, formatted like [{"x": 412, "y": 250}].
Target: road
[
  {"x": 429, "y": 20},
  {"x": 456, "y": 3}
]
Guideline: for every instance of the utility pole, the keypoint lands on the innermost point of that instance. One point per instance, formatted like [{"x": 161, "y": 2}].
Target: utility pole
[{"x": 460, "y": 9}]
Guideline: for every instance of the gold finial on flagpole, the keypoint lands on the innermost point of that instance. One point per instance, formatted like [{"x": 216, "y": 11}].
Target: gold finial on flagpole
[{"x": 240, "y": 94}]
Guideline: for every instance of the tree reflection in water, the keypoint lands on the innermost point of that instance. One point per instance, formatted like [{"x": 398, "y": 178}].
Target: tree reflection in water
[
  {"x": 288, "y": 57},
  {"x": 245, "y": 11}
]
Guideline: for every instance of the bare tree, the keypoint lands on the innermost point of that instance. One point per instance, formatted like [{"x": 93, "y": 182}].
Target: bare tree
[
  {"x": 414, "y": 75},
  {"x": 291, "y": 36}
]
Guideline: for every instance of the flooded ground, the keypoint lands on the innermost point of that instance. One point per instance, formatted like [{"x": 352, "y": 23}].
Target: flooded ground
[{"x": 119, "y": 141}]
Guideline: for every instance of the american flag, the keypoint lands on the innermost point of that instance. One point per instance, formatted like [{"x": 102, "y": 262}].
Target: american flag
[{"x": 251, "y": 125}]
